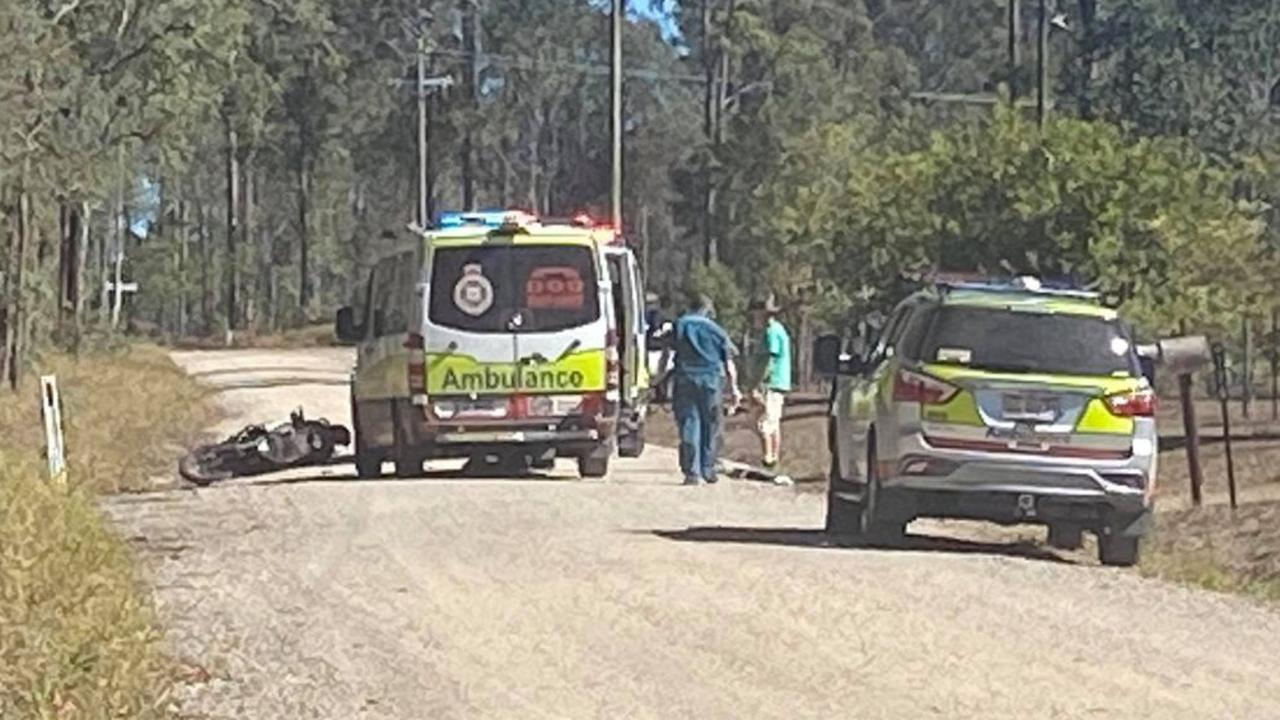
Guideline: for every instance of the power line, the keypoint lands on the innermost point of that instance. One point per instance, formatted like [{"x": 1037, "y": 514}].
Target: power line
[{"x": 601, "y": 69}]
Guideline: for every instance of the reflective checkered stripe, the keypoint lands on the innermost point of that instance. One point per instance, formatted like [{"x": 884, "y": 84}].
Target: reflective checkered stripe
[{"x": 1059, "y": 416}]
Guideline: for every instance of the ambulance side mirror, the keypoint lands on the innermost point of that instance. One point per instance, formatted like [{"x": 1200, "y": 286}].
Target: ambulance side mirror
[{"x": 345, "y": 327}]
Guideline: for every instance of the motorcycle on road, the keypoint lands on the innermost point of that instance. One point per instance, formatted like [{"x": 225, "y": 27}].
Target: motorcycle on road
[{"x": 257, "y": 449}]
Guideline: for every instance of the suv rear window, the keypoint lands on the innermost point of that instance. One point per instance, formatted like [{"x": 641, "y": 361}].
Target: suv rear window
[
  {"x": 1017, "y": 341},
  {"x": 483, "y": 289}
]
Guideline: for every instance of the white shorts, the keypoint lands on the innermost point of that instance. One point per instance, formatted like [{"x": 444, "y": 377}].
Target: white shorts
[{"x": 771, "y": 415}]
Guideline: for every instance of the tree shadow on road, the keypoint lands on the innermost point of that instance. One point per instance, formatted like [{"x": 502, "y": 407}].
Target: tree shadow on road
[{"x": 817, "y": 539}]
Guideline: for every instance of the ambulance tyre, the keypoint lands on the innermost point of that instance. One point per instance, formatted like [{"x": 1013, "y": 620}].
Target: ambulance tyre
[
  {"x": 596, "y": 463},
  {"x": 409, "y": 465},
  {"x": 368, "y": 463},
  {"x": 631, "y": 445},
  {"x": 368, "y": 466}
]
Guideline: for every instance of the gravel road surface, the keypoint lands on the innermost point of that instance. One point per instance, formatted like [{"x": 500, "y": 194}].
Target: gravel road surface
[{"x": 315, "y": 595}]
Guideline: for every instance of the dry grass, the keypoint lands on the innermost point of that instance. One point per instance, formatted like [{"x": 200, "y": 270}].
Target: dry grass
[
  {"x": 76, "y": 637},
  {"x": 125, "y": 413},
  {"x": 1215, "y": 548}
]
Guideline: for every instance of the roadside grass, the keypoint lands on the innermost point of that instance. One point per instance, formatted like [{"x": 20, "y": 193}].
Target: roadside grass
[
  {"x": 1214, "y": 548},
  {"x": 77, "y": 637}
]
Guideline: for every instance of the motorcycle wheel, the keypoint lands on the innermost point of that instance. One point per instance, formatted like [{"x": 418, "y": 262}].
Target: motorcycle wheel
[{"x": 205, "y": 465}]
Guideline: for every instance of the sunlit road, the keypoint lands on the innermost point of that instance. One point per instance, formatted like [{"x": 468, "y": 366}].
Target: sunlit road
[{"x": 318, "y": 595}]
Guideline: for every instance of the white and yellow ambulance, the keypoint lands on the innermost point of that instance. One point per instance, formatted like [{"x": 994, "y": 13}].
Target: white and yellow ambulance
[{"x": 498, "y": 336}]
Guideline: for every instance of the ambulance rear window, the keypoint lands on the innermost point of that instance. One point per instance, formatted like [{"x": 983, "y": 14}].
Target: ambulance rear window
[{"x": 531, "y": 288}]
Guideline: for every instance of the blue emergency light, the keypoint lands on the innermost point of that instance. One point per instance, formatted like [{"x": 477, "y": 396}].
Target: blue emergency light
[{"x": 482, "y": 218}]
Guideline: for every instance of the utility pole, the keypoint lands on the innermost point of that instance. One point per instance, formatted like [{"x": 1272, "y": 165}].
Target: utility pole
[
  {"x": 470, "y": 45},
  {"x": 424, "y": 209},
  {"x": 709, "y": 249},
  {"x": 1042, "y": 62},
  {"x": 1014, "y": 21},
  {"x": 615, "y": 100}
]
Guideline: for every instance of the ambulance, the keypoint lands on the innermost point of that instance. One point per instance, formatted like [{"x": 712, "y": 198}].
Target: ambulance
[{"x": 500, "y": 337}]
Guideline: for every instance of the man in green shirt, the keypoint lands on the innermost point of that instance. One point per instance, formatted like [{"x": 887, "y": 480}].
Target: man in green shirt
[{"x": 772, "y": 377}]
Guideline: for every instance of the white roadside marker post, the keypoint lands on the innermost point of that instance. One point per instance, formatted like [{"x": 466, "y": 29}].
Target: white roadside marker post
[{"x": 51, "y": 411}]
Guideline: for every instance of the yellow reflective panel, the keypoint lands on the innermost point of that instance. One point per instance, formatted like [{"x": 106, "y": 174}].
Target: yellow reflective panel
[
  {"x": 1099, "y": 419},
  {"x": 459, "y": 374}
]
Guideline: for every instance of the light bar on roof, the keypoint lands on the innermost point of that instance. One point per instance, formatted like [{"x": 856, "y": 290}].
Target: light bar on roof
[
  {"x": 1026, "y": 285},
  {"x": 479, "y": 218}
]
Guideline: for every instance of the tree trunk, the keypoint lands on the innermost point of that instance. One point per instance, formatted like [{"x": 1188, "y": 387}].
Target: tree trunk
[
  {"x": 535, "y": 160},
  {"x": 114, "y": 239},
  {"x": 17, "y": 320},
  {"x": 82, "y": 264},
  {"x": 802, "y": 349},
  {"x": 184, "y": 265},
  {"x": 1088, "y": 51},
  {"x": 69, "y": 222},
  {"x": 248, "y": 206},
  {"x": 8, "y": 310},
  {"x": 549, "y": 197},
  {"x": 232, "y": 269},
  {"x": 304, "y": 237},
  {"x": 206, "y": 262}
]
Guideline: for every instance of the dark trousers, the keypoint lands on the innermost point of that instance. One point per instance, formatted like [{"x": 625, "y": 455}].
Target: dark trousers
[{"x": 696, "y": 402}]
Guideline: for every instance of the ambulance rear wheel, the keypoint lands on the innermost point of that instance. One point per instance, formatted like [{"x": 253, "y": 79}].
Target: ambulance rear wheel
[
  {"x": 631, "y": 445},
  {"x": 368, "y": 466},
  {"x": 409, "y": 465},
  {"x": 594, "y": 465},
  {"x": 368, "y": 463}
]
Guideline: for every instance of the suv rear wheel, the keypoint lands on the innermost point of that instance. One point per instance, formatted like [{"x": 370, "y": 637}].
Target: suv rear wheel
[
  {"x": 843, "y": 516},
  {"x": 1118, "y": 550},
  {"x": 879, "y": 526}
]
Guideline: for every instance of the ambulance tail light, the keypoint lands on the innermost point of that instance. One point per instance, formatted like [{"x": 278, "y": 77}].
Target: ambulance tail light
[
  {"x": 593, "y": 405},
  {"x": 612, "y": 362},
  {"x": 589, "y": 405},
  {"x": 417, "y": 368}
]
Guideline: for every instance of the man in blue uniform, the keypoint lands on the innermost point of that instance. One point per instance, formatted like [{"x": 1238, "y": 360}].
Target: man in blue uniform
[{"x": 703, "y": 362}]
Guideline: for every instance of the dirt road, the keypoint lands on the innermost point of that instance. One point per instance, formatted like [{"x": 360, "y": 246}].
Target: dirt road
[{"x": 319, "y": 596}]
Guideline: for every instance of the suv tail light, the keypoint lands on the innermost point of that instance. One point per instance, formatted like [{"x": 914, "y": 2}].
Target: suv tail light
[
  {"x": 909, "y": 386},
  {"x": 417, "y": 363},
  {"x": 1138, "y": 403},
  {"x": 612, "y": 362}
]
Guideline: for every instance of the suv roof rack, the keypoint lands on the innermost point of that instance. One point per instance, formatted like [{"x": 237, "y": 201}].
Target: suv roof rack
[{"x": 1024, "y": 285}]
